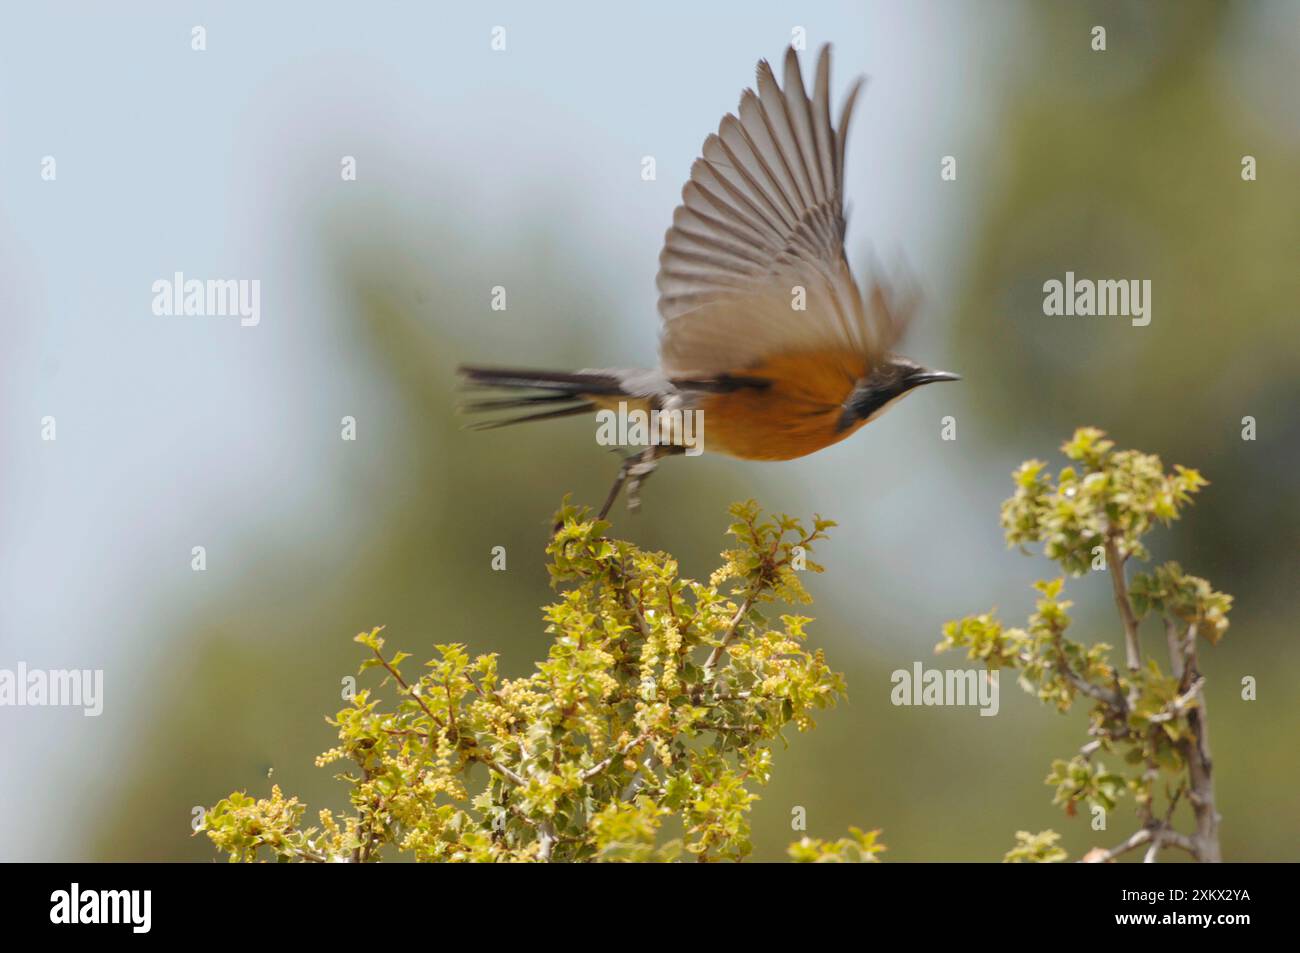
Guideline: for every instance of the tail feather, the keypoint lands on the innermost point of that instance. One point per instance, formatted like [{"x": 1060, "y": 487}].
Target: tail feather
[
  {"x": 569, "y": 389},
  {"x": 575, "y": 382},
  {"x": 525, "y": 418},
  {"x": 507, "y": 403}
]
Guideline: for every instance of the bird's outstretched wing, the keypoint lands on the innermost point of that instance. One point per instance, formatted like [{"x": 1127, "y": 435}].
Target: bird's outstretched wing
[{"x": 753, "y": 265}]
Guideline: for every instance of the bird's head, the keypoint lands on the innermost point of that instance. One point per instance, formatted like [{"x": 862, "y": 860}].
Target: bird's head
[{"x": 887, "y": 382}]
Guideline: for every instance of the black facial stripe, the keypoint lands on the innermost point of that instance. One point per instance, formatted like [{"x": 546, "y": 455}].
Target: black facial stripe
[{"x": 866, "y": 402}]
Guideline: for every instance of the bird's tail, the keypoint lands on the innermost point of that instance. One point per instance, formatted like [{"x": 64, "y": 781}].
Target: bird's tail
[{"x": 551, "y": 393}]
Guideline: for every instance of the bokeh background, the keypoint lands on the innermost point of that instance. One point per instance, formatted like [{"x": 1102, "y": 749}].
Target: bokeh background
[{"x": 521, "y": 168}]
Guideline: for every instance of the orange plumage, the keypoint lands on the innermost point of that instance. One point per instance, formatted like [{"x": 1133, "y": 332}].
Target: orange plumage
[{"x": 797, "y": 414}]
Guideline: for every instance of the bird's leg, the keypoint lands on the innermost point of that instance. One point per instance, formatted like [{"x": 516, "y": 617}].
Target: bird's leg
[
  {"x": 636, "y": 469},
  {"x": 646, "y": 464},
  {"x": 640, "y": 471},
  {"x": 619, "y": 480},
  {"x": 629, "y": 461}
]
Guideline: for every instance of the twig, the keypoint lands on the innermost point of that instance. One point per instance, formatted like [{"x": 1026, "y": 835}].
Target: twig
[
  {"x": 639, "y": 779},
  {"x": 1136, "y": 840},
  {"x": 1119, "y": 585},
  {"x": 1112, "y": 698},
  {"x": 515, "y": 779},
  {"x": 600, "y": 766},
  {"x": 730, "y": 635},
  {"x": 546, "y": 841},
  {"x": 406, "y": 688},
  {"x": 1200, "y": 768},
  {"x": 1158, "y": 836},
  {"x": 1180, "y": 704},
  {"x": 1177, "y": 662}
]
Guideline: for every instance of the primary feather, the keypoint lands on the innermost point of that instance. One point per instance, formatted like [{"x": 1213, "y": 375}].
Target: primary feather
[{"x": 762, "y": 215}]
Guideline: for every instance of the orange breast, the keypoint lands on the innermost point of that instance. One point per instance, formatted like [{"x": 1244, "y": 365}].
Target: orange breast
[{"x": 797, "y": 415}]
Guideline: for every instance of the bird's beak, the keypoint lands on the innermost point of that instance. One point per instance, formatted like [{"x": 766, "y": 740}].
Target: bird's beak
[{"x": 930, "y": 377}]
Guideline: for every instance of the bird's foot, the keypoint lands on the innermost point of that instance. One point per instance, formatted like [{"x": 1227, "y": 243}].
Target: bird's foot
[{"x": 646, "y": 463}]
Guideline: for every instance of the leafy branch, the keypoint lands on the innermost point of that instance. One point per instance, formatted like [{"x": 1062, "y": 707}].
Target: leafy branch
[
  {"x": 660, "y": 698},
  {"x": 1093, "y": 516}
]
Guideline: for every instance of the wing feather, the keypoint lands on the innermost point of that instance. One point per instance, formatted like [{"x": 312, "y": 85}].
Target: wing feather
[{"x": 762, "y": 216}]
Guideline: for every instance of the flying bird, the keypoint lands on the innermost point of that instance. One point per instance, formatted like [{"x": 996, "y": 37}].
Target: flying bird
[{"x": 765, "y": 333}]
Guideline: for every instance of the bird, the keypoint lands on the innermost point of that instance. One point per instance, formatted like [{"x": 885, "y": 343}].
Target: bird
[{"x": 766, "y": 337}]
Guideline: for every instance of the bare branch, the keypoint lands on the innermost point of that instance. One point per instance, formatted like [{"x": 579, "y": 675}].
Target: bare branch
[
  {"x": 1119, "y": 585},
  {"x": 1180, "y": 705},
  {"x": 1200, "y": 768},
  {"x": 405, "y": 687},
  {"x": 546, "y": 841},
  {"x": 1112, "y": 698},
  {"x": 1178, "y": 664},
  {"x": 1158, "y": 836},
  {"x": 732, "y": 629},
  {"x": 515, "y": 779},
  {"x": 1103, "y": 856},
  {"x": 600, "y": 766}
]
